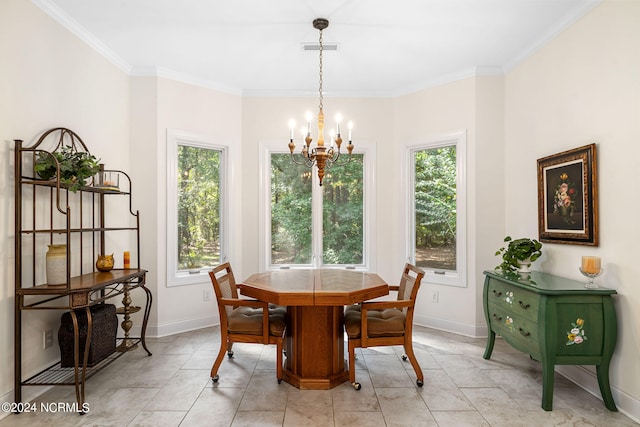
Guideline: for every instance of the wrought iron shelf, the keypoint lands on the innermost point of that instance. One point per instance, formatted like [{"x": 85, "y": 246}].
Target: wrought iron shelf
[{"x": 57, "y": 375}]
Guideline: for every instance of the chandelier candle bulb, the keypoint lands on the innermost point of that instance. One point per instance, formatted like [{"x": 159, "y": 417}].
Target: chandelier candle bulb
[
  {"x": 292, "y": 125},
  {"x": 591, "y": 264}
]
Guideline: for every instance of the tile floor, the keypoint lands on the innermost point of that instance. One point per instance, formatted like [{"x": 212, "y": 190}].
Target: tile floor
[{"x": 173, "y": 388}]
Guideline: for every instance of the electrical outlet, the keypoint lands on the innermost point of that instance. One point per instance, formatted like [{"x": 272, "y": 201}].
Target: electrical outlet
[
  {"x": 47, "y": 338},
  {"x": 206, "y": 295},
  {"x": 434, "y": 296}
]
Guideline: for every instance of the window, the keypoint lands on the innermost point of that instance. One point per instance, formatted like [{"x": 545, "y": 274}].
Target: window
[
  {"x": 437, "y": 231},
  {"x": 195, "y": 218},
  {"x": 305, "y": 225}
]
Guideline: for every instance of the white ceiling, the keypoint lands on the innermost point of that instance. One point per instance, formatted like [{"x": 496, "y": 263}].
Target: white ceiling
[{"x": 253, "y": 47}]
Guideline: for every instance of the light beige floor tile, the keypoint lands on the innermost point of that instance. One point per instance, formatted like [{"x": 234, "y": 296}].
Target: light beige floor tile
[
  {"x": 296, "y": 416},
  {"x": 387, "y": 371},
  {"x": 180, "y": 392},
  {"x": 120, "y": 409},
  {"x": 215, "y": 407},
  {"x": 309, "y": 408},
  {"x": 359, "y": 419},
  {"x": 158, "y": 419},
  {"x": 404, "y": 407},
  {"x": 265, "y": 394},
  {"x": 258, "y": 418},
  {"x": 441, "y": 394},
  {"x": 347, "y": 399},
  {"x": 460, "y": 419}
]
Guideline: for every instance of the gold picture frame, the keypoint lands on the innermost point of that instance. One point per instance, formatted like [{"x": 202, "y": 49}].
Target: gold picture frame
[{"x": 568, "y": 197}]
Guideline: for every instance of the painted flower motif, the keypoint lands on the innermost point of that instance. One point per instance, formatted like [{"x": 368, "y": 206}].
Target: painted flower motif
[
  {"x": 564, "y": 199},
  {"x": 576, "y": 335},
  {"x": 509, "y": 323},
  {"x": 509, "y": 297}
]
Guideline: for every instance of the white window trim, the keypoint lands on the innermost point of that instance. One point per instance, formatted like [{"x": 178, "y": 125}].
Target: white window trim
[
  {"x": 456, "y": 278},
  {"x": 177, "y": 277},
  {"x": 264, "y": 200}
]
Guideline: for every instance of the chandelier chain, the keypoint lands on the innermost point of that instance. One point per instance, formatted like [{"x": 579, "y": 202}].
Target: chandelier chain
[{"x": 320, "y": 86}]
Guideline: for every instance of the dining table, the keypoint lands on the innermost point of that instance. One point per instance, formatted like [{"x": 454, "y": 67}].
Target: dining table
[{"x": 315, "y": 301}]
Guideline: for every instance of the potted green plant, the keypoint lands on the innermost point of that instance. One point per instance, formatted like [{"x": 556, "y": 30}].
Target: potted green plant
[
  {"x": 518, "y": 254},
  {"x": 75, "y": 166}
]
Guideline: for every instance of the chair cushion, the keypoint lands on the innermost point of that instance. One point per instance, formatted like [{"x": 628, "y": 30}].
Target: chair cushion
[
  {"x": 277, "y": 309},
  {"x": 248, "y": 320},
  {"x": 380, "y": 323},
  {"x": 353, "y": 307}
]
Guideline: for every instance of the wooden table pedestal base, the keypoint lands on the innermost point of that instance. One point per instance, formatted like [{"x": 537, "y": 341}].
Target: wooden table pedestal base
[{"x": 315, "y": 347}]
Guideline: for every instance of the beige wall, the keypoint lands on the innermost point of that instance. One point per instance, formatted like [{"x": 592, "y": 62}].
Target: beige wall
[
  {"x": 48, "y": 79},
  {"x": 584, "y": 87},
  {"x": 159, "y": 105}
]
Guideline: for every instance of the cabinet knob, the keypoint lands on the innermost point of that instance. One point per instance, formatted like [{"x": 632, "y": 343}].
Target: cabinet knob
[
  {"x": 496, "y": 317},
  {"x": 496, "y": 293},
  {"x": 523, "y": 305}
]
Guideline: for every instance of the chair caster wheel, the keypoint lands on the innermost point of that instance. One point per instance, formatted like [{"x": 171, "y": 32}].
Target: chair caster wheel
[
  {"x": 357, "y": 386},
  {"x": 419, "y": 383},
  {"x": 404, "y": 357},
  {"x": 230, "y": 354},
  {"x": 215, "y": 379}
]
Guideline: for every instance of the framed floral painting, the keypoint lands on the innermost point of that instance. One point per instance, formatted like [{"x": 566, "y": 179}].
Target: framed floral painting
[{"x": 568, "y": 197}]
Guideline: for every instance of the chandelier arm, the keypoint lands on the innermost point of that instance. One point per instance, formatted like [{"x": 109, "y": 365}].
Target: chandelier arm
[
  {"x": 293, "y": 159},
  {"x": 342, "y": 163}
]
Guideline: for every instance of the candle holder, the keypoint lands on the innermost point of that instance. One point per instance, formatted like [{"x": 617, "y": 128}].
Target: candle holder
[{"x": 591, "y": 275}]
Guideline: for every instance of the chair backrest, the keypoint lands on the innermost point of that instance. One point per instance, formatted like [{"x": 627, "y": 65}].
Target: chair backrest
[
  {"x": 409, "y": 284},
  {"x": 224, "y": 285}
]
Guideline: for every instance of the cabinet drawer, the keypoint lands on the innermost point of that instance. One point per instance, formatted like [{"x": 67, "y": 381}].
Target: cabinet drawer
[
  {"x": 518, "y": 331},
  {"x": 519, "y": 301}
]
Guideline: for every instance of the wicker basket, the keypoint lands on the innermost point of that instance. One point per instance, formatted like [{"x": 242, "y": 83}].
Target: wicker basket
[{"x": 103, "y": 335}]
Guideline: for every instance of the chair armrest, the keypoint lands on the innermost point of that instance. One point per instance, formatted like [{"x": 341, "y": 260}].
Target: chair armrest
[
  {"x": 381, "y": 305},
  {"x": 394, "y": 288},
  {"x": 236, "y": 302}
]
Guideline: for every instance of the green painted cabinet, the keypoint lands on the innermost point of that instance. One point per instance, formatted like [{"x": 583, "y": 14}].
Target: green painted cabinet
[{"x": 558, "y": 321}]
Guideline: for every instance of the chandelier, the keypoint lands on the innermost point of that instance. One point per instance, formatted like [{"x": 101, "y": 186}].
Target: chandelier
[{"x": 322, "y": 156}]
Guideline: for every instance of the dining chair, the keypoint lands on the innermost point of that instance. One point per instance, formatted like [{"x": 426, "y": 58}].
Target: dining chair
[
  {"x": 385, "y": 323},
  {"x": 244, "y": 320}
]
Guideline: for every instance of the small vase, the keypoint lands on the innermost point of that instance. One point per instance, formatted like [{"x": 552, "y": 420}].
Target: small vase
[
  {"x": 104, "y": 263},
  {"x": 525, "y": 267},
  {"x": 56, "y": 262}
]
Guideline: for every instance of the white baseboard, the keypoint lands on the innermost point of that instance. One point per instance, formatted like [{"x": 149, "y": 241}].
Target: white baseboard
[
  {"x": 178, "y": 327},
  {"x": 476, "y": 331}
]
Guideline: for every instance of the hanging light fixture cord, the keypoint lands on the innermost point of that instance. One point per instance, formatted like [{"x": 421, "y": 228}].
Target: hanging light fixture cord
[{"x": 320, "y": 87}]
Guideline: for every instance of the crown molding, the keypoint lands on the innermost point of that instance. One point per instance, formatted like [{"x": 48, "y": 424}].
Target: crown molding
[
  {"x": 178, "y": 76},
  {"x": 79, "y": 31},
  {"x": 553, "y": 32}
]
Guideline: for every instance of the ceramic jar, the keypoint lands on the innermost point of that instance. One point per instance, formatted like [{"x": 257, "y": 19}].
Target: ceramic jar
[
  {"x": 56, "y": 264},
  {"x": 104, "y": 262}
]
